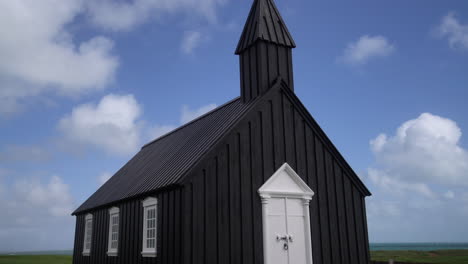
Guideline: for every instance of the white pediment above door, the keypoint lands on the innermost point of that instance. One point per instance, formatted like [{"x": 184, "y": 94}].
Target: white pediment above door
[{"x": 285, "y": 182}]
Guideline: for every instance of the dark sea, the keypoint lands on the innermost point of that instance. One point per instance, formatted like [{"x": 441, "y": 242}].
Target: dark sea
[{"x": 417, "y": 246}]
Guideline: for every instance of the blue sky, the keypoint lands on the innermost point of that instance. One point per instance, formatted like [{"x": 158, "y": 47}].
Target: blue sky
[{"x": 83, "y": 84}]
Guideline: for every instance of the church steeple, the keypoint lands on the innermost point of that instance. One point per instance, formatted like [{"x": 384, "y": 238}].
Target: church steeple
[{"x": 265, "y": 50}]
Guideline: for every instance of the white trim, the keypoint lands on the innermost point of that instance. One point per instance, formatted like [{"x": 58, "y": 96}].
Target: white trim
[
  {"x": 148, "y": 204},
  {"x": 87, "y": 251},
  {"x": 304, "y": 192},
  {"x": 150, "y": 201},
  {"x": 114, "y": 210},
  {"x": 112, "y": 252},
  {"x": 301, "y": 191}
]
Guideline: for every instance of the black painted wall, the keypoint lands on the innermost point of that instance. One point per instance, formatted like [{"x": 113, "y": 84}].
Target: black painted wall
[
  {"x": 216, "y": 217},
  {"x": 223, "y": 216},
  {"x": 260, "y": 66},
  {"x": 131, "y": 227}
]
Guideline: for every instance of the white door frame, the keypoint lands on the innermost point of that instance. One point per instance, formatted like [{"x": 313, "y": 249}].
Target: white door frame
[{"x": 277, "y": 187}]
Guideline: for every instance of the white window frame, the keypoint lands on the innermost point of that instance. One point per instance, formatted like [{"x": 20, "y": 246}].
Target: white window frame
[
  {"x": 114, "y": 211},
  {"x": 148, "y": 204},
  {"x": 87, "y": 232}
]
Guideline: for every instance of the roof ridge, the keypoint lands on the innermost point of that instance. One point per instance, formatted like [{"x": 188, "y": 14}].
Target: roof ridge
[{"x": 191, "y": 122}]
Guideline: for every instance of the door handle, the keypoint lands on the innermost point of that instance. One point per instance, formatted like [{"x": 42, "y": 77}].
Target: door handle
[{"x": 285, "y": 238}]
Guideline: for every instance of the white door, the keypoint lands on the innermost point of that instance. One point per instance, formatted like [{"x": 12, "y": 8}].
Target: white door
[{"x": 286, "y": 231}]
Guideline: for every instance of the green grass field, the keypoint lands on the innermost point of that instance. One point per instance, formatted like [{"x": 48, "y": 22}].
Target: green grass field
[
  {"x": 35, "y": 259},
  {"x": 436, "y": 257}
]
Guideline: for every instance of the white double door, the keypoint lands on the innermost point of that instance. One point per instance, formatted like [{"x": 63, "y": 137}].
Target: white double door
[{"x": 286, "y": 227}]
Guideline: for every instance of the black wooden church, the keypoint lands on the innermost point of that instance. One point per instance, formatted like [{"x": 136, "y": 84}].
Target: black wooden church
[{"x": 254, "y": 181}]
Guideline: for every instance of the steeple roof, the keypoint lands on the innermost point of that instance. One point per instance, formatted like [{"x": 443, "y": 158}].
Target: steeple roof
[{"x": 264, "y": 23}]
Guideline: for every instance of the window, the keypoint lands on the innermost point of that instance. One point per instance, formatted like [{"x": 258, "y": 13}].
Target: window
[
  {"x": 88, "y": 234},
  {"x": 113, "y": 231},
  {"x": 150, "y": 206}
]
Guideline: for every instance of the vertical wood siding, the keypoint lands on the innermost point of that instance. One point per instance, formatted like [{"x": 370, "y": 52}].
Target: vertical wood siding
[
  {"x": 131, "y": 232},
  {"x": 224, "y": 221},
  {"x": 216, "y": 216},
  {"x": 260, "y": 65}
]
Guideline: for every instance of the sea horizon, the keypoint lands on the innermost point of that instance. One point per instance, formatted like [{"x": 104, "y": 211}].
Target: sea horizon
[{"x": 374, "y": 246}]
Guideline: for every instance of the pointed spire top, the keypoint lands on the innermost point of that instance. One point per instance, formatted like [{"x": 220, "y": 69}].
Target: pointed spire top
[{"x": 264, "y": 23}]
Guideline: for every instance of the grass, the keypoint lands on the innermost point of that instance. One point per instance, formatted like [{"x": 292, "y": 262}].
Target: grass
[
  {"x": 456, "y": 256},
  {"x": 429, "y": 257},
  {"x": 45, "y": 259}
]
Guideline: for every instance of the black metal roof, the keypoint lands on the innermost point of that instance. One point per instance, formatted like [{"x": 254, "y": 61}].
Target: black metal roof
[
  {"x": 264, "y": 23},
  {"x": 164, "y": 161}
]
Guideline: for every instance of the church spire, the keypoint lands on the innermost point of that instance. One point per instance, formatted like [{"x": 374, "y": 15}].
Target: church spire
[
  {"x": 265, "y": 50},
  {"x": 264, "y": 23}
]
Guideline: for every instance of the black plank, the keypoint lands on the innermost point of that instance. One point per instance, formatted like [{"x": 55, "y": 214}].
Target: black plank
[
  {"x": 278, "y": 131},
  {"x": 247, "y": 78},
  {"x": 177, "y": 218},
  {"x": 211, "y": 212},
  {"x": 170, "y": 231},
  {"x": 332, "y": 210},
  {"x": 272, "y": 61},
  {"x": 323, "y": 203},
  {"x": 283, "y": 63},
  {"x": 223, "y": 233},
  {"x": 257, "y": 182},
  {"x": 187, "y": 210},
  {"x": 361, "y": 240},
  {"x": 288, "y": 129},
  {"x": 267, "y": 140},
  {"x": 366, "y": 235},
  {"x": 246, "y": 196},
  {"x": 290, "y": 69},
  {"x": 254, "y": 87},
  {"x": 300, "y": 146},
  {"x": 351, "y": 223},
  {"x": 264, "y": 79},
  {"x": 342, "y": 221},
  {"x": 314, "y": 204},
  {"x": 199, "y": 218},
  {"x": 235, "y": 211}
]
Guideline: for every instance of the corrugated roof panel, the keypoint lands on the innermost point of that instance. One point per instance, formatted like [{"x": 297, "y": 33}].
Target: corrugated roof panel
[{"x": 164, "y": 161}]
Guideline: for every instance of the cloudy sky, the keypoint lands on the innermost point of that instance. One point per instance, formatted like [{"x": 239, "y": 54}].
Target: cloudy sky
[{"x": 83, "y": 84}]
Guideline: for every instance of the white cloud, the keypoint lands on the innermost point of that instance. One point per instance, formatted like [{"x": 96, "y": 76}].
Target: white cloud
[
  {"x": 54, "y": 196},
  {"x": 120, "y": 15},
  {"x": 398, "y": 187},
  {"x": 32, "y": 210},
  {"x": 115, "y": 125},
  {"x": 417, "y": 173},
  {"x": 124, "y": 15},
  {"x": 112, "y": 125},
  {"x": 190, "y": 114},
  {"x": 449, "y": 195},
  {"x": 367, "y": 48},
  {"x": 191, "y": 41},
  {"x": 425, "y": 149},
  {"x": 14, "y": 153},
  {"x": 454, "y": 31},
  {"x": 104, "y": 177},
  {"x": 40, "y": 56}
]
